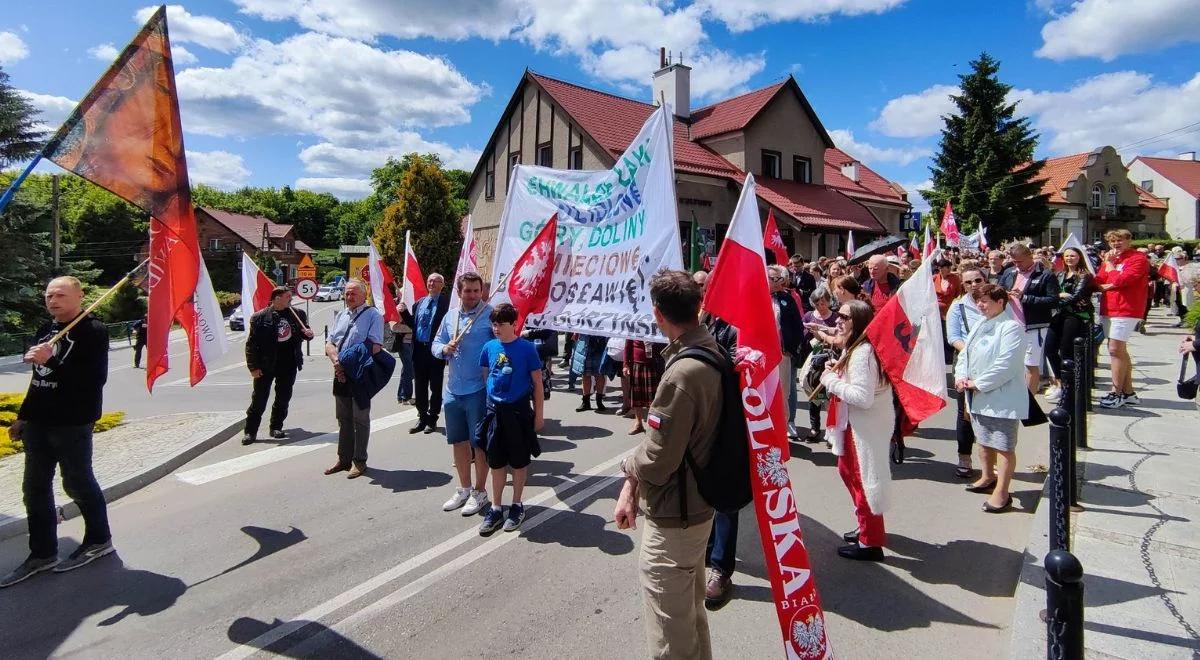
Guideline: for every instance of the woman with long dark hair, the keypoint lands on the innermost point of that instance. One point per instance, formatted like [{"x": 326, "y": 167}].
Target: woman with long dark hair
[
  {"x": 859, "y": 424},
  {"x": 1073, "y": 317}
]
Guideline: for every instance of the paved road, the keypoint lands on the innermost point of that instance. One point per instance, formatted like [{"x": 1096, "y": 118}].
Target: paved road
[{"x": 252, "y": 548}]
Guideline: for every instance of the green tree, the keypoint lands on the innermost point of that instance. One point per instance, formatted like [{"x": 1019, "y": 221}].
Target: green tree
[
  {"x": 423, "y": 206},
  {"x": 984, "y": 165},
  {"x": 106, "y": 230},
  {"x": 20, "y": 137}
]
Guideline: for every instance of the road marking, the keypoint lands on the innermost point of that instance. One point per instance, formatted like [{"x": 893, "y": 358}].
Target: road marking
[
  {"x": 228, "y": 367},
  {"x": 349, "y": 596},
  {"x": 230, "y": 467}
]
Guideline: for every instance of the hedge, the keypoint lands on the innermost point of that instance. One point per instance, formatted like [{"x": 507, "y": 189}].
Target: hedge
[{"x": 10, "y": 404}]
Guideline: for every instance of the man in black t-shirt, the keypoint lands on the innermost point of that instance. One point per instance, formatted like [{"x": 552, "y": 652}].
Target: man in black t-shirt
[
  {"x": 55, "y": 424},
  {"x": 273, "y": 355}
]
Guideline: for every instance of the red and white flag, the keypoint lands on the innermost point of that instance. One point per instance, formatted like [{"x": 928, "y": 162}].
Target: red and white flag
[
  {"x": 983, "y": 245},
  {"x": 737, "y": 292},
  {"x": 949, "y": 226},
  {"x": 1169, "y": 268},
  {"x": 907, "y": 337},
  {"x": 467, "y": 259},
  {"x": 849, "y": 245},
  {"x": 928, "y": 249},
  {"x": 382, "y": 285},
  {"x": 899, "y": 251},
  {"x": 774, "y": 240},
  {"x": 529, "y": 284},
  {"x": 256, "y": 289},
  {"x": 413, "y": 287},
  {"x": 914, "y": 250},
  {"x": 1072, "y": 242}
]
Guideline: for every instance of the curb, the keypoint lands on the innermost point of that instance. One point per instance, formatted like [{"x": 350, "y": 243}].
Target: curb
[
  {"x": 1028, "y": 638},
  {"x": 136, "y": 482}
]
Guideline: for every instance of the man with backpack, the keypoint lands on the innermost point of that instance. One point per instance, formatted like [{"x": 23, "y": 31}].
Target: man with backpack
[{"x": 661, "y": 475}]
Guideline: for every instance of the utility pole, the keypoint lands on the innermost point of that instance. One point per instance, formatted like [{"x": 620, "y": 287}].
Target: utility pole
[{"x": 54, "y": 232}]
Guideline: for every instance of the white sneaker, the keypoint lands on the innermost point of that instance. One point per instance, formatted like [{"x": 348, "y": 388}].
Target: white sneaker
[
  {"x": 1053, "y": 394},
  {"x": 1131, "y": 399},
  {"x": 1113, "y": 402},
  {"x": 460, "y": 498},
  {"x": 477, "y": 502}
]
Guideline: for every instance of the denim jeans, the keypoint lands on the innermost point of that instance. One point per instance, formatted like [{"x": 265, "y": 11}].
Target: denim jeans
[
  {"x": 722, "y": 542},
  {"x": 405, "y": 392},
  {"x": 68, "y": 447}
]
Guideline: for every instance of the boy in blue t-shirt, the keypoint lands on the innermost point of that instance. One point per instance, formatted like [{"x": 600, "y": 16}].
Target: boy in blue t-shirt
[{"x": 508, "y": 433}]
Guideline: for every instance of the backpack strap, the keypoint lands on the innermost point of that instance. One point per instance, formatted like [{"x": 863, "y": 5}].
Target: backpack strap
[{"x": 707, "y": 357}]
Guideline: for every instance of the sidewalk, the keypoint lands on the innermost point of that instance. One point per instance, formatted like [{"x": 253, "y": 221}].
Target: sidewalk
[
  {"x": 125, "y": 459},
  {"x": 1137, "y": 536}
]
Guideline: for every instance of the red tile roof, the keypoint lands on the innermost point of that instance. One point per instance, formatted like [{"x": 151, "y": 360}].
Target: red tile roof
[
  {"x": 249, "y": 227},
  {"x": 870, "y": 185},
  {"x": 1148, "y": 200},
  {"x": 818, "y": 206},
  {"x": 1058, "y": 172},
  {"x": 731, "y": 114},
  {"x": 1183, "y": 173}
]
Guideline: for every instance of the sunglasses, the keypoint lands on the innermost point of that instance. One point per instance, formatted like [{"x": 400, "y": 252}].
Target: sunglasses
[
  {"x": 843, "y": 317},
  {"x": 978, "y": 280}
]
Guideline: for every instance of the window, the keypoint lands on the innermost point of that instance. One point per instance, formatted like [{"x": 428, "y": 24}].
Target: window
[
  {"x": 771, "y": 164},
  {"x": 514, "y": 159},
  {"x": 545, "y": 155},
  {"x": 1097, "y": 196},
  {"x": 489, "y": 183},
  {"x": 802, "y": 169},
  {"x": 1056, "y": 237},
  {"x": 1112, "y": 199},
  {"x": 237, "y": 247},
  {"x": 287, "y": 247},
  {"x": 214, "y": 244},
  {"x": 575, "y": 158},
  {"x": 1148, "y": 185}
]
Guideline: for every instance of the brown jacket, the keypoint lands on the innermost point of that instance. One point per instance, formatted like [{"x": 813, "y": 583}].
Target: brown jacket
[{"x": 684, "y": 413}]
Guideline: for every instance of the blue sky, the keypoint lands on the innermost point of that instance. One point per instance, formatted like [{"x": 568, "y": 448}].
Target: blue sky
[{"x": 315, "y": 93}]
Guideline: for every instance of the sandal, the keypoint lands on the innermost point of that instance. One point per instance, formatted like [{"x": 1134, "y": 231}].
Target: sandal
[{"x": 981, "y": 488}]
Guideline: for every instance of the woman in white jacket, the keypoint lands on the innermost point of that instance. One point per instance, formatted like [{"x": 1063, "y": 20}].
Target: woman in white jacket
[
  {"x": 859, "y": 426},
  {"x": 990, "y": 373}
]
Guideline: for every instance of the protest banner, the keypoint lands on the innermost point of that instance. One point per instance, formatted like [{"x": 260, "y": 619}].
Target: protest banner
[{"x": 616, "y": 229}]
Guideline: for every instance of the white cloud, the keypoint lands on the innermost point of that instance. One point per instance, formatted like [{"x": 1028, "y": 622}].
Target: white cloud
[
  {"x": 105, "y": 52},
  {"x": 203, "y": 31},
  {"x": 219, "y": 169},
  {"x": 331, "y": 160},
  {"x": 743, "y": 15},
  {"x": 342, "y": 188},
  {"x": 1118, "y": 109},
  {"x": 12, "y": 48},
  {"x": 182, "y": 56},
  {"x": 53, "y": 110},
  {"x": 342, "y": 90},
  {"x": 368, "y": 19},
  {"x": 916, "y": 115},
  {"x": 1107, "y": 29},
  {"x": 715, "y": 73},
  {"x": 869, "y": 153},
  {"x": 914, "y": 195}
]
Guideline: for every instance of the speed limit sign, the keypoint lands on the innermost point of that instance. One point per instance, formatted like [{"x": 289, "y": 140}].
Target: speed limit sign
[{"x": 306, "y": 288}]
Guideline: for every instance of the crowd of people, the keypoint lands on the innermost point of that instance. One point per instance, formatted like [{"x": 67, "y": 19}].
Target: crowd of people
[{"x": 1009, "y": 315}]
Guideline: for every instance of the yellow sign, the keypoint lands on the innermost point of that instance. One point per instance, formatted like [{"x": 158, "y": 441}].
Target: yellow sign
[
  {"x": 306, "y": 267},
  {"x": 359, "y": 269}
]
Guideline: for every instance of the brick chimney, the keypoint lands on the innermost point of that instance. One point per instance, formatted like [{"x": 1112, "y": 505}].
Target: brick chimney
[
  {"x": 850, "y": 170},
  {"x": 674, "y": 83}
]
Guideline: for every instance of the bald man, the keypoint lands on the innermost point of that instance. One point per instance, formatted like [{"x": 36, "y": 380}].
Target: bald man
[
  {"x": 55, "y": 423},
  {"x": 881, "y": 284}
]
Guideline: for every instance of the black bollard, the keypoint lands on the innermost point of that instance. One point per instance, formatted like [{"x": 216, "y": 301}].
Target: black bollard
[
  {"x": 1070, "y": 392},
  {"x": 1060, "y": 477},
  {"x": 1082, "y": 394},
  {"x": 1064, "y": 606}
]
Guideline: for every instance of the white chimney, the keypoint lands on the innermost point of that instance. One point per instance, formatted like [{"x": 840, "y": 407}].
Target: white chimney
[
  {"x": 674, "y": 83},
  {"x": 850, "y": 170},
  {"x": 1187, "y": 155}
]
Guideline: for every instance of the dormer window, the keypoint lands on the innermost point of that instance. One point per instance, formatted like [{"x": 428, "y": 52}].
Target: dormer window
[
  {"x": 801, "y": 169},
  {"x": 772, "y": 164}
]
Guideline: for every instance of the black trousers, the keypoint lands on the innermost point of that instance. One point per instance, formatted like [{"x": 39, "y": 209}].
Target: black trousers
[
  {"x": 137, "y": 353},
  {"x": 70, "y": 449},
  {"x": 284, "y": 380},
  {"x": 1060, "y": 340},
  {"x": 963, "y": 431},
  {"x": 428, "y": 372}
]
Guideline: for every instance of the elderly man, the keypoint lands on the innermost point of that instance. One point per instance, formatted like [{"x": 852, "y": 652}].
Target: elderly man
[
  {"x": 683, "y": 418},
  {"x": 996, "y": 267},
  {"x": 55, "y": 423},
  {"x": 428, "y": 370},
  {"x": 358, "y": 323},
  {"x": 790, "y": 318},
  {"x": 802, "y": 280},
  {"x": 881, "y": 284},
  {"x": 1035, "y": 290}
]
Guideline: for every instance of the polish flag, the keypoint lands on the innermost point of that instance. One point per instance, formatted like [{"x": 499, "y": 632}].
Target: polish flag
[
  {"x": 529, "y": 284},
  {"x": 467, "y": 260},
  {"x": 1169, "y": 268},
  {"x": 737, "y": 292},
  {"x": 914, "y": 250},
  {"x": 900, "y": 252},
  {"x": 983, "y": 246},
  {"x": 1072, "y": 242},
  {"x": 775, "y": 240},
  {"x": 256, "y": 289},
  {"x": 929, "y": 247},
  {"x": 382, "y": 284},
  {"x": 949, "y": 226},
  {"x": 849, "y": 245},
  {"x": 907, "y": 337},
  {"x": 412, "y": 287}
]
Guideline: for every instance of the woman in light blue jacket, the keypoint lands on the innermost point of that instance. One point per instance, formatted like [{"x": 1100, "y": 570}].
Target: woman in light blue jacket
[{"x": 990, "y": 371}]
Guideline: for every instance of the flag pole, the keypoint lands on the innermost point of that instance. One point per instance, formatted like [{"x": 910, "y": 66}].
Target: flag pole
[
  {"x": 467, "y": 328},
  {"x": 116, "y": 287},
  {"x": 297, "y": 316},
  {"x": 821, "y": 386},
  {"x": 12, "y": 189}
]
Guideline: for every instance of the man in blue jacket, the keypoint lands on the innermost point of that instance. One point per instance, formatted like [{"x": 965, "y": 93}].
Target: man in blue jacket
[{"x": 356, "y": 324}]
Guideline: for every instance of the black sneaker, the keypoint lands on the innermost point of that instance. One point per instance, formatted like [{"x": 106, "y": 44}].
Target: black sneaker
[
  {"x": 248, "y": 439},
  {"x": 278, "y": 434},
  {"x": 84, "y": 555},
  {"x": 28, "y": 568},
  {"x": 491, "y": 522},
  {"x": 418, "y": 428},
  {"x": 516, "y": 516}
]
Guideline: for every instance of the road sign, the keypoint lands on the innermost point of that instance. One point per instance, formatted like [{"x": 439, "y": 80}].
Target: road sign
[
  {"x": 306, "y": 288},
  {"x": 306, "y": 268},
  {"x": 911, "y": 221},
  {"x": 365, "y": 273}
]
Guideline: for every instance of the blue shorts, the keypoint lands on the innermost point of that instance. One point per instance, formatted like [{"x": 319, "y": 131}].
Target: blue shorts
[{"x": 463, "y": 415}]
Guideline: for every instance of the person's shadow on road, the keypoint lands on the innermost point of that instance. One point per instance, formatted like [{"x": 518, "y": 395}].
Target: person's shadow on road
[
  {"x": 400, "y": 481},
  {"x": 246, "y": 631}
]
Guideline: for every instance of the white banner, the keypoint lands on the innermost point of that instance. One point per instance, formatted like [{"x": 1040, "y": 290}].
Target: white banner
[{"x": 616, "y": 229}]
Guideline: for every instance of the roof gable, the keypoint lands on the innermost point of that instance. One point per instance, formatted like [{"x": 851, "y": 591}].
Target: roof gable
[
  {"x": 1057, "y": 173},
  {"x": 736, "y": 113},
  {"x": 250, "y": 227},
  {"x": 1183, "y": 173}
]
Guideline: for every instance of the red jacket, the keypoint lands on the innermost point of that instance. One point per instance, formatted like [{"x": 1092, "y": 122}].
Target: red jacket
[{"x": 1130, "y": 277}]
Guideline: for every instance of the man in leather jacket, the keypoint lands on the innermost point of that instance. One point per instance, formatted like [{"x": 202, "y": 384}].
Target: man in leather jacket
[{"x": 273, "y": 355}]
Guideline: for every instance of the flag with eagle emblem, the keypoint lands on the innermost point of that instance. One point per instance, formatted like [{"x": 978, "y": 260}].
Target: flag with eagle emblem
[
  {"x": 529, "y": 285},
  {"x": 774, "y": 240}
]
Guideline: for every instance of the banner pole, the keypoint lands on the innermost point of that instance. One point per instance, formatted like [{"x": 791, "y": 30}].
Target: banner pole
[
  {"x": 116, "y": 287},
  {"x": 12, "y": 189}
]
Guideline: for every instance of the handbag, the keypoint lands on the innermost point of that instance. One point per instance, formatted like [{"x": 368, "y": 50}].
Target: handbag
[
  {"x": 1036, "y": 416},
  {"x": 814, "y": 366},
  {"x": 1186, "y": 389}
]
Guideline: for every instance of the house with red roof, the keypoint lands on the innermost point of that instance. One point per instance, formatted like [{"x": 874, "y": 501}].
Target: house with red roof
[
  {"x": 1176, "y": 181},
  {"x": 817, "y": 192},
  {"x": 1092, "y": 193}
]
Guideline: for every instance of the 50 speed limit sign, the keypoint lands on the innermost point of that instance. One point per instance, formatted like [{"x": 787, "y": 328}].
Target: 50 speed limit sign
[{"x": 306, "y": 288}]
